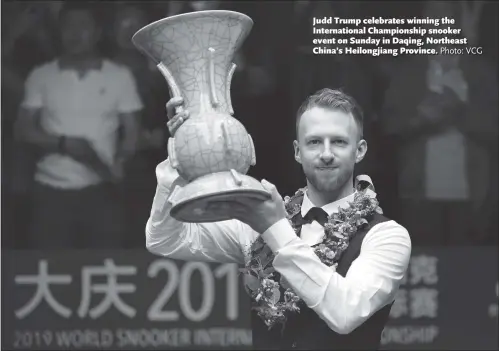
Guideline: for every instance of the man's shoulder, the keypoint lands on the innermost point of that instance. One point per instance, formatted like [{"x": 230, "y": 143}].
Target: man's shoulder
[
  {"x": 379, "y": 218},
  {"x": 383, "y": 226},
  {"x": 45, "y": 68}
]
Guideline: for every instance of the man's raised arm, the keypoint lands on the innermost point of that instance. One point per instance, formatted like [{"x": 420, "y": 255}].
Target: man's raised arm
[{"x": 222, "y": 242}]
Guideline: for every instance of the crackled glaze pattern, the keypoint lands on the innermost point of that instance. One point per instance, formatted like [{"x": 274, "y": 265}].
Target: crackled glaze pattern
[
  {"x": 182, "y": 43},
  {"x": 213, "y": 144},
  {"x": 194, "y": 52}
]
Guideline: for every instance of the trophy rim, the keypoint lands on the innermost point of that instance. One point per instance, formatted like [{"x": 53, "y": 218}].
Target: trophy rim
[
  {"x": 199, "y": 192},
  {"x": 190, "y": 15}
]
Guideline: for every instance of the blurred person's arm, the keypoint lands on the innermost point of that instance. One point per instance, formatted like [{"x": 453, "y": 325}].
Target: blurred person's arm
[
  {"x": 222, "y": 242},
  {"x": 27, "y": 130},
  {"x": 27, "y": 126}
]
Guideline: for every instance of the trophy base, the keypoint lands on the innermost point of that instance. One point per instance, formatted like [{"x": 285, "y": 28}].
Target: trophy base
[{"x": 191, "y": 202}]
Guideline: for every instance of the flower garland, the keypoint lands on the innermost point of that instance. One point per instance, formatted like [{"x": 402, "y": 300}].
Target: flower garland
[{"x": 273, "y": 298}]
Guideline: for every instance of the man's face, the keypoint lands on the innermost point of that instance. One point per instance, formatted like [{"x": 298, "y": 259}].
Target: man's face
[
  {"x": 79, "y": 32},
  {"x": 328, "y": 147}
]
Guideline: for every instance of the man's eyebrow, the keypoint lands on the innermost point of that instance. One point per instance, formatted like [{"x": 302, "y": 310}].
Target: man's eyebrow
[{"x": 332, "y": 136}]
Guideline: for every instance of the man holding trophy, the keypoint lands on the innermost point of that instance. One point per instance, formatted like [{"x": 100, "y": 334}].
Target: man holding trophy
[{"x": 322, "y": 267}]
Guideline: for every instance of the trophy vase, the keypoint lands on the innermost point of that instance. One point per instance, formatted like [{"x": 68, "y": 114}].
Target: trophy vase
[{"x": 211, "y": 150}]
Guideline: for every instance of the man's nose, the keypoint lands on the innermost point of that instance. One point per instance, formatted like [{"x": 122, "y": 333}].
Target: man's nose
[{"x": 327, "y": 155}]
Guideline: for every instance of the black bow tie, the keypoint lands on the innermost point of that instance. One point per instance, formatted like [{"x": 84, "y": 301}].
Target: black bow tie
[{"x": 315, "y": 214}]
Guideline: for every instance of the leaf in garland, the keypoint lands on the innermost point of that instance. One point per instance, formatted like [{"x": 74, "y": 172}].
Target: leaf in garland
[
  {"x": 339, "y": 235},
  {"x": 258, "y": 245},
  {"x": 267, "y": 260},
  {"x": 379, "y": 210},
  {"x": 251, "y": 282},
  {"x": 262, "y": 274},
  {"x": 276, "y": 295},
  {"x": 256, "y": 271}
]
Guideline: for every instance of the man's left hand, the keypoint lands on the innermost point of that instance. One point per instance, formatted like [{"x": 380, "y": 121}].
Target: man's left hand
[{"x": 259, "y": 215}]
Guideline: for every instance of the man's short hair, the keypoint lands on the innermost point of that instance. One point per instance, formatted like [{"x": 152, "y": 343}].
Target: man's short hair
[{"x": 334, "y": 100}]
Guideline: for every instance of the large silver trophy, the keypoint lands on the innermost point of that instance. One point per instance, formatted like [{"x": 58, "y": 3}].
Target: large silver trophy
[{"x": 211, "y": 150}]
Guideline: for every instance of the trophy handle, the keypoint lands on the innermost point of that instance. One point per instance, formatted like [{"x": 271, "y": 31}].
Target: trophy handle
[
  {"x": 174, "y": 89},
  {"x": 236, "y": 177},
  {"x": 253, "y": 152},
  {"x": 211, "y": 70},
  {"x": 227, "y": 139},
  {"x": 232, "y": 69},
  {"x": 171, "y": 153}
]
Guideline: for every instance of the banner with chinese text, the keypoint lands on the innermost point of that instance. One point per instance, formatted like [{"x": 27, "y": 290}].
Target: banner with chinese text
[
  {"x": 72, "y": 300},
  {"x": 134, "y": 300},
  {"x": 448, "y": 300}
]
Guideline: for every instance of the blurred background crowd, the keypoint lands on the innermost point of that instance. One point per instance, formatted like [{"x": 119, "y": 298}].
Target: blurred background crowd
[{"x": 431, "y": 124}]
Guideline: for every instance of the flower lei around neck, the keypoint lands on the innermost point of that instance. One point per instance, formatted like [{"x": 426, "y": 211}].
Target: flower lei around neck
[{"x": 271, "y": 295}]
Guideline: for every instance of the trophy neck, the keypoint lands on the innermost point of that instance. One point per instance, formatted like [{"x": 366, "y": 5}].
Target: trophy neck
[
  {"x": 194, "y": 52},
  {"x": 206, "y": 92}
]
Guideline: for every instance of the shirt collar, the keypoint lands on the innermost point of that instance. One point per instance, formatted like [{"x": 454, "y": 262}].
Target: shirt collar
[
  {"x": 329, "y": 208},
  {"x": 92, "y": 66},
  {"x": 333, "y": 207}
]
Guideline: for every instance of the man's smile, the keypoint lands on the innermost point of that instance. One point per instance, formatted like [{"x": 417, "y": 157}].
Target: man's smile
[{"x": 326, "y": 168}]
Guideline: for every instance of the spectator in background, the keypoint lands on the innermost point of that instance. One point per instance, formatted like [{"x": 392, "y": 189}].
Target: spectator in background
[
  {"x": 443, "y": 110},
  {"x": 151, "y": 145},
  {"x": 72, "y": 111}
]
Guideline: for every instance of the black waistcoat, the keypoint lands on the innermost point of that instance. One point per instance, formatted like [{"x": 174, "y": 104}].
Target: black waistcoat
[{"x": 307, "y": 331}]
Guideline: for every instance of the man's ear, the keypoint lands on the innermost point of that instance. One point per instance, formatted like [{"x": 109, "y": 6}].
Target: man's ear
[
  {"x": 297, "y": 151},
  {"x": 361, "y": 150}
]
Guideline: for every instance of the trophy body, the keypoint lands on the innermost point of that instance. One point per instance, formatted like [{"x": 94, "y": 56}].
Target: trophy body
[{"x": 211, "y": 150}]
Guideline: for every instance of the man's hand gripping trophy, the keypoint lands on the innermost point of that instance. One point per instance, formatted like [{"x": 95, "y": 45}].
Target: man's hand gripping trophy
[{"x": 175, "y": 119}]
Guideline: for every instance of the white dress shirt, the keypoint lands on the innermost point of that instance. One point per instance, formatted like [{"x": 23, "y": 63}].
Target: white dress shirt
[{"x": 344, "y": 303}]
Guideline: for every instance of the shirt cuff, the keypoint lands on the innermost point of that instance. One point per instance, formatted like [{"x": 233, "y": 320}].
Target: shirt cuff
[{"x": 279, "y": 235}]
